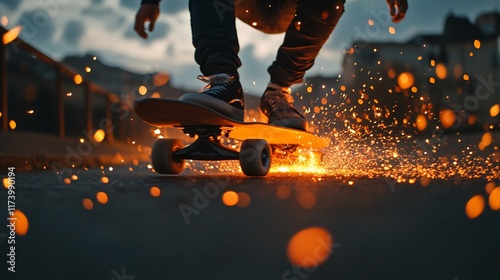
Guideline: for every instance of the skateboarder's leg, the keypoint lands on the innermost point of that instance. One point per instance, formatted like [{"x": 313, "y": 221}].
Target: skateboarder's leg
[
  {"x": 315, "y": 20},
  {"x": 304, "y": 38},
  {"x": 216, "y": 42},
  {"x": 214, "y": 34}
]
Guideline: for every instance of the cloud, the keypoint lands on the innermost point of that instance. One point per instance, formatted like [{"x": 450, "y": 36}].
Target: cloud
[
  {"x": 160, "y": 32},
  {"x": 37, "y": 25},
  {"x": 73, "y": 32},
  {"x": 173, "y": 7},
  {"x": 107, "y": 16},
  {"x": 131, "y": 4},
  {"x": 97, "y": 2},
  {"x": 11, "y": 4}
]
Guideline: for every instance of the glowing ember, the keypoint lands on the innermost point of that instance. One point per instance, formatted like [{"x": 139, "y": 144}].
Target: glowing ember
[
  {"x": 22, "y": 223},
  {"x": 102, "y": 197},
  {"x": 421, "y": 122},
  {"x": 99, "y": 135},
  {"x": 489, "y": 187},
  {"x": 12, "y": 124},
  {"x": 310, "y": 247},
  {"x": 447, "y": 118},
  {"x": 494, "y": 199},
  {"x": 88, "y": 204},
  {"x": 495, "y": 110},
  {"x": 392, "y": 30},
  {"x": 11, "y": 35},
  {"x": 155, "y": 191},
  {"x": 477, "y": 44},
  {"x": 405, "y": 80},
  {"x": 243, "y": 199},
  {"x": 142, "y": 90},
  {"x": 474, "y": 206},
  {"x": 230, "y": 198},
  {"x": 5, "y": 21},
  {"x": 441, "y": 71},
  {"x": 77, "y": 79},
  {"x": 105, "y": 180}
]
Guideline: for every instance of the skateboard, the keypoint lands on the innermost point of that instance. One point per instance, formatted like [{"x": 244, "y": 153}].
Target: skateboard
[{"x": 209, "y": 128}]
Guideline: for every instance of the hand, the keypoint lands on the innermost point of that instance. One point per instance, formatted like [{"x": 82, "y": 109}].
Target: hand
[
  {"x": 398, "y": 9},
  {"x": 147, "y": 13}
]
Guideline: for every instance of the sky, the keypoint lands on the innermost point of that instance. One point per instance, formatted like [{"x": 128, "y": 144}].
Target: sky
[{"x": 104, "y": 28}]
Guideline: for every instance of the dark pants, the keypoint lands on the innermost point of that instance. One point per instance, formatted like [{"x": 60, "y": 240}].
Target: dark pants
[{"x": 216, "y": 41}]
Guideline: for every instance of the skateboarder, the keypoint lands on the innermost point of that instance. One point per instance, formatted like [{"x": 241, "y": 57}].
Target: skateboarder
[{"x": 307, "y": 23}]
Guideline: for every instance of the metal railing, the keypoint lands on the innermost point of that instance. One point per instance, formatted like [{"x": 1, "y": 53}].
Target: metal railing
[{"x": 61, "y": 70}]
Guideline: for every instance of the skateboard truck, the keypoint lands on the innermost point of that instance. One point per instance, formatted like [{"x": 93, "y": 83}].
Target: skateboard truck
[
  {"x": 168, "y": 155},
  {"x": 207, "y": 146}
]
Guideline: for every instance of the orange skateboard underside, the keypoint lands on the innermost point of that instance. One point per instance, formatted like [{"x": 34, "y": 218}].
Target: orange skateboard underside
[{"x": 179, "y": 114}]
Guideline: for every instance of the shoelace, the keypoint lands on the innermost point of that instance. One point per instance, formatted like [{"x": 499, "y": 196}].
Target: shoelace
[
  {"x": 217, "y": 83},
  {"x": 278, "y": 99},
  {"x": 220, "y": 80}
]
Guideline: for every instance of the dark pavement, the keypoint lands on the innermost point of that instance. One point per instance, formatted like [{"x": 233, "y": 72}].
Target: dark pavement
[{"x": 380, "y": 230}]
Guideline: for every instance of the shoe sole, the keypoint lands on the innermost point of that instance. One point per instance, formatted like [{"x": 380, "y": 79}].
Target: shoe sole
[{"x": 214, "y": 104}]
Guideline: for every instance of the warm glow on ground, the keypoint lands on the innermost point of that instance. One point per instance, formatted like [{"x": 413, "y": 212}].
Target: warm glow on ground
[{"x": 310, "y": 247}]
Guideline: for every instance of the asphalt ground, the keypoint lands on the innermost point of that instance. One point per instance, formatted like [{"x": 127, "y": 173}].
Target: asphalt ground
[{"x": 379, "y": 229}]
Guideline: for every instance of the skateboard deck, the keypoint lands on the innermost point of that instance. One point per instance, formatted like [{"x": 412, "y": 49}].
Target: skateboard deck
[
  {"x": 210, "y": 126},
  {"x": 179, "y": 114}
]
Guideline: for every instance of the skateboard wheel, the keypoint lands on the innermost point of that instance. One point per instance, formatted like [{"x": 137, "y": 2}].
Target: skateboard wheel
[
  {"x": 255, "y": 157},
  {"x": 162, "y": 156}
]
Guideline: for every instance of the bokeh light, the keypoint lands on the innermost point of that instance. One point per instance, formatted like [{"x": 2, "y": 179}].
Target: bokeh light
[
  {"x": 230, "y": 198},
  {"x": 310, "y": 247},
  {"x": 22, "y": 223},
  {"x": 155, "y": 191},
  {"x": 102, "y": 197},
  {"x": 88, "y": 204},
  {"x": 494, "y": 199},
  {"x": 475, "y": 206}
]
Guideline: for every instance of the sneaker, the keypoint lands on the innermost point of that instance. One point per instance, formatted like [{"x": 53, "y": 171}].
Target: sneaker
[
  {"x": 223, "y": 94},
  {"x": 276, "y": 104}
]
